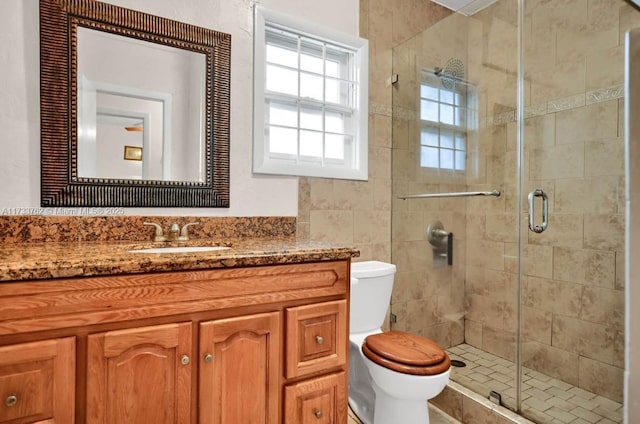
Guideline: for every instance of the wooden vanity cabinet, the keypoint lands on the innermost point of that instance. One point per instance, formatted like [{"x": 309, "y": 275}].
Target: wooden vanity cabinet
[
  {"x": 237, "y": 379},
  {"x": 37, "y": 382},
  {"x": 263, "y": 344},
  {"x": 140, "y": 375}
]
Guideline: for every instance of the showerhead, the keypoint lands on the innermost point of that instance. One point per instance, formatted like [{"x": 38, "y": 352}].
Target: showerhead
[{"x": 452, "y": 73}]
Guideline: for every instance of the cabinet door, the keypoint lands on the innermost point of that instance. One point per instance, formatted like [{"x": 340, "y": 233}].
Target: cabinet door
[
  {"x": 37, "y": 382},
  {"x": 140, "y": 375},
  {"x": 321, "y": 400},
  {"x": 240, "y": 370}
]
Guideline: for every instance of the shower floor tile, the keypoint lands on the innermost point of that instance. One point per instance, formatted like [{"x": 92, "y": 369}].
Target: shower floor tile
[{"x": 545, "y": 400}]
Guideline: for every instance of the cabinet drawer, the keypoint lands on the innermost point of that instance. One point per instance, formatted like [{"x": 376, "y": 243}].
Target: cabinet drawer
[
  {"x": 37, "y": 382},
  {"x": 320, "y": 400},
  {"x": 316, "y": 337}
]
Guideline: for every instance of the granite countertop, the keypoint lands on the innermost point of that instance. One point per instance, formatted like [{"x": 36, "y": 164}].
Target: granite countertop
[{"x": 28, "y": 261}]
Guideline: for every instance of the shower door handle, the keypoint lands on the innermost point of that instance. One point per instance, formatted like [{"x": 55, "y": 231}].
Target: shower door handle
[{"x": 538, "y": 192}]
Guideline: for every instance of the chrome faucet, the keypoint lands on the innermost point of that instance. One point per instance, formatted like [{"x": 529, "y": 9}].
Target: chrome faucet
[
  {"x": 184, "y": 233},
  {"x": 174, "y": 232},
  {"x": 159, "y": 236}
]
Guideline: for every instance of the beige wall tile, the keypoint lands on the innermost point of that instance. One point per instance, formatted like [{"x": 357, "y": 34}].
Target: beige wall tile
[
  {"x": 379, "y": 162},
  {"x": 408, "y": 226},
  {"x": 587, "y": 339},
  {"x": 593, "y": 267},
  {"x": 599, "y": 76},
  {"x": 487, "y": 254},
  {"x": 446, "y": 334},
  {"x": 552, "y": 361},
  {"x": 332, "y": 226},
  {"x": 420, "y": 314},
  {"x": 382, "y": 131},
  {"x": 604, "y": 157},
  {"x": 537, "y": 325},
  {"x": 593, "y": 122},
  {"x": 537, "y": 261},
  {"x": 551, "y": 15},
  {"x": 603, "y": 306},
  {"x": 589, "y": 195},
  {"x": 604, "y": 232},
  {"x": 381, "y": 194},
  {"x": 629, "y": 18},
  {"x": 484, "y": 309},
  {"x": 499, "y": 342},
  {"x": 476, "y": 413},
  {"x": 561, "y": 161},
  {"x": 411, "y": 256},
  {"x": 348, "y": 195},
  {"x": 371, "y": 226},
  {"x": 473, "y": 333},
  {"x": 563, "y": 230},
  {"x": 575, "y": 44},
  {"x": 564, "y": 78},
  {"x": 450, "y": 402},
  {"x": 304, "y": 199},
  {"x": 321, "y": 194},
  {"x": 619, "y": 282},
  {"x": 552, "y": 296},
  {"x": 408, "y": 286},
  {"x": 375, "y": 252},
  {"x": 602, "y": 379},
  {"x": 501, "y": 227}
]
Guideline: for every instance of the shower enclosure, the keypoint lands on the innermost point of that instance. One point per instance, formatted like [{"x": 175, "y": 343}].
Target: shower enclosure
[{"x": 524, "y": 97}]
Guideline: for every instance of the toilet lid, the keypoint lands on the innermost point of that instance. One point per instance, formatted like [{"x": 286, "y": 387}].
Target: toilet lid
[{"x": 406, "y": 353}]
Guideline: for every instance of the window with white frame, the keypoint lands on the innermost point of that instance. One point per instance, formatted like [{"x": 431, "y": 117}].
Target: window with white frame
[
  {"x": 444, "y": 113},
  {"x": 310, "y": 99}
]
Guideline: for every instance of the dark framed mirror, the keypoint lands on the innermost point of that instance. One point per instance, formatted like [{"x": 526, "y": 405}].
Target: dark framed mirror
[{"x": 134, "y": 108}]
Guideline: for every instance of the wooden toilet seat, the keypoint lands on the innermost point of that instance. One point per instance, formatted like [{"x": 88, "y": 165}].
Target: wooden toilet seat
[{"x": 406, "y": 353}]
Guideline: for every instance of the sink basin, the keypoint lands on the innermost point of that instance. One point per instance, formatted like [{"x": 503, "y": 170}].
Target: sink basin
[{"x": 181, "y": 249}]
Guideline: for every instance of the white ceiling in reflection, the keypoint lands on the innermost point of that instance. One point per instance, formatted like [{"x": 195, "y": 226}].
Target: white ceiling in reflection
[{"x": 466, "y": 7}]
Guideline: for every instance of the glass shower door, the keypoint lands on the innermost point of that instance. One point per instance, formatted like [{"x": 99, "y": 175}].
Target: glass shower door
[{"x": 572, "y": 271}]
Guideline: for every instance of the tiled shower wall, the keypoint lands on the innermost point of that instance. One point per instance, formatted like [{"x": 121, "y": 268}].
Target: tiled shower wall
[
  {"x": 428, "y": 296},
  {"x": 573, "y": 299},
  {"x": 573, "y": 273}
]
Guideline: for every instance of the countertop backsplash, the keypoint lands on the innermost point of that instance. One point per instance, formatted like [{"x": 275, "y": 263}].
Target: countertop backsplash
[{"x": 129, "y": 228}]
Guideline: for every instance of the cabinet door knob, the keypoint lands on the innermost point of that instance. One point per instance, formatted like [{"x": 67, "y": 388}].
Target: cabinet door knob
[
  {"x": 317, "y": 413},
  {"x": 319, "y": 339},
  {"x": 208, "y": 357},
  {"x": 185, "y": 360},
  {"x": 11, "y": 400}
]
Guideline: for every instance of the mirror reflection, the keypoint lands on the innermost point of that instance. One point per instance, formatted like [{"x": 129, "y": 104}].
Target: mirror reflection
[{"x": 141, "y": 109}]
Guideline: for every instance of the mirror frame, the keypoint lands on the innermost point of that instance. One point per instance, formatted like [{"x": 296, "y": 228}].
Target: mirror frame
[{"x": 60, "y": 184}]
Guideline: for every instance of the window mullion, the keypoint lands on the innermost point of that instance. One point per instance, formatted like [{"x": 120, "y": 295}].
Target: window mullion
[
  {"x": 324, "y": 99},
  {"x": 298, "y": 101}
]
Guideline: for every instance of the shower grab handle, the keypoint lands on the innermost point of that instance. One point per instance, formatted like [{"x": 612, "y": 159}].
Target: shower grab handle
[{"x": 538, "y": 192}]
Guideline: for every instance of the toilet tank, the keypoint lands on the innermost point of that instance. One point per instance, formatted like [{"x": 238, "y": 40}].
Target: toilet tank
[{"x": 371, "y": 286}]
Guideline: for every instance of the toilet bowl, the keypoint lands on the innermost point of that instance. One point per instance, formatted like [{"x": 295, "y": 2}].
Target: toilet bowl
[{"x": 392, "y": 374}]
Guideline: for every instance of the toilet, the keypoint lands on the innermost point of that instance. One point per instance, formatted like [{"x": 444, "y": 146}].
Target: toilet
[{"x": 391, "y": 374}]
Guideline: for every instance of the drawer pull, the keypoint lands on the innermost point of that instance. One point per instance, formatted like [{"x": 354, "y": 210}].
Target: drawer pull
[
  {"x": 11, "y": 400},
  {"x": 319, "y": 340},
  {"x": 317, "y": 413},
  {"x": 208, "y": 357},
  {"x": 185, "y": 360}
]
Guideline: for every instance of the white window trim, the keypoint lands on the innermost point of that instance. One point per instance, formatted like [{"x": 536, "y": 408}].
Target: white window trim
[{"x": 264, "y": 165}]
